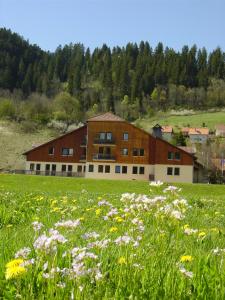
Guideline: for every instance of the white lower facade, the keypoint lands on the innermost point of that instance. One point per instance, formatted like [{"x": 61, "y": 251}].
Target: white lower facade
[{"x": 109, "y": 170}]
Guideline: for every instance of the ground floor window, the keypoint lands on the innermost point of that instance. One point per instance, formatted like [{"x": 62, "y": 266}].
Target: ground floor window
[
  {"x": 117, "y": 169},
  {"x": 177, "y": 171},
  {"x": 142, "y": 170},
  {"x": 63, "y": 168},
  {"x": 38, "y": 167},
  {"x": 32, "y": 167},
  {"x": 107, "y": 169},
  {"x": 173, "y": 171},
  {"x": 100, "y": 169},
  {"x": 124, "y": 169},
  {"x": 70, "y": 168},
  {"x": 79, "y": 169},
  {"x": 47, "y": 167},
  {"x": 135, "y": 170},
  {"x": 91, "y": 168},
  {"x": 169, "y": 171}
]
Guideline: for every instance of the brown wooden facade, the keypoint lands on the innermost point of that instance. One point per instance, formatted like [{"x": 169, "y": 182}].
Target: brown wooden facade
[
  {"x": 74, "y": 140},
  {"x": 141, "y": 148}
]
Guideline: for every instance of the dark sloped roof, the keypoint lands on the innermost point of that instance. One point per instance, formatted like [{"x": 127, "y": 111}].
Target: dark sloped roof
[{"x": 106, "y": 117}]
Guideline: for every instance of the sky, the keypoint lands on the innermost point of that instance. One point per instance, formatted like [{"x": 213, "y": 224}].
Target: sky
[{"x": 50, "y": 23}]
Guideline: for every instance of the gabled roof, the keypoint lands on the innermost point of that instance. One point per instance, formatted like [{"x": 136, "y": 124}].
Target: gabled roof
[
  {"x": 167, "y": 129},
  {"x": 55, "y": 139},
  {"x": 195, "y": 131},
  {"x": 106, "y": 117}
]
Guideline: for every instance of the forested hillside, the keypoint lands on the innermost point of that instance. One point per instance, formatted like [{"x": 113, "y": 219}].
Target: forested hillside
[{"x": 132, "y": 80}]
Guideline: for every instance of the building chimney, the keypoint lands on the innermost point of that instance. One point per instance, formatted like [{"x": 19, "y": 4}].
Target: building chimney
[{"x": 157, "y": 131}]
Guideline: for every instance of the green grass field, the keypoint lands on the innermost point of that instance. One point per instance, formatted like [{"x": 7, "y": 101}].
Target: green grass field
[
  {"x": 194, "y": 119},
  {"x": 94, "y": 244}
]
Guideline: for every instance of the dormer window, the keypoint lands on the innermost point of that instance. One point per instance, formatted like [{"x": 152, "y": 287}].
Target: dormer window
[{"x": 51, "y": 150}]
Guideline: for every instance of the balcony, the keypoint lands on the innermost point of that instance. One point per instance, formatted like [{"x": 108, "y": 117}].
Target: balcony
[
  {"x": 99, "y": 141},
  {"x": 100, "y": 156}
]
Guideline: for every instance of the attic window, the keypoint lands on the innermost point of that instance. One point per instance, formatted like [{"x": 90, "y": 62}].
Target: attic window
[
  {"x": 177, "y": 155},
  {"x": 67, "y": 151},
  {"x": 51, "y": 150}
]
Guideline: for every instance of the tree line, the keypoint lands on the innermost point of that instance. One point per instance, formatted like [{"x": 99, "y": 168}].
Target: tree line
[{"x": 132, "y": 81}]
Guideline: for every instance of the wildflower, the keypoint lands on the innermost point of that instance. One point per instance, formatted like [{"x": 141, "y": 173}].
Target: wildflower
[
  {"x": 186, "y": 258},
  {"x": 119, "y": 219},
  {"x": 14, "y": 269},
  {"x": 90, "y": 235},
  {"x": 123, "y": 240},
  {"x": 113, "y": 229},
  {"x": 37, "y": 226},
  {"x": 156, "y": 183},
  {"x": 68, "y": 224},
  {"x": 122, "y": 260},
  {"x": 185, "y": 272},
  {"x": 98, "y": 211},
  {"x": 23, "y": 253},
  {"x": 201, "y": 234}
]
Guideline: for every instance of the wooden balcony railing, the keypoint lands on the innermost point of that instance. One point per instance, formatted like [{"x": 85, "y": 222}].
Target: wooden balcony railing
[{"x": 100, "y": 156}]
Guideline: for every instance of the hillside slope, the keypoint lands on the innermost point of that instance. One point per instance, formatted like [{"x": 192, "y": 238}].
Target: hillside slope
[{"x": 13, "y": 142}]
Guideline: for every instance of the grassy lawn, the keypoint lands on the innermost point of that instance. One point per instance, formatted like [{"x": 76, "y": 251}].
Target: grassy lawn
[
  {"x": 195, "y": 120},
  {"x": 93, "y": 244}
]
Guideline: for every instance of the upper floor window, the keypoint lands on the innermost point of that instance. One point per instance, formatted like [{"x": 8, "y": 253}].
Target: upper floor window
[
  {"x": 125, "y": 136},
  {"x": 177, "y": 155},
  {"x": 124, "y": 151},
  {"x": 67, "y": 151},
  {"x": 135, "y": 152},
  {"x": 138, "y": 152},
  {"x": 105, "y": 136},
  {"x": 51, "y": 150},
  {"x": 170, "y": 155},
  {"x": 109, "y": 136},
  {"x": 142, "y": 152}
]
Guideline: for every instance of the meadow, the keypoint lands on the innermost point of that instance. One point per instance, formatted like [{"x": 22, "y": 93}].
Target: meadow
[
  {"x": 68, "y": 238},
  {"x": 184, "y": 119}
]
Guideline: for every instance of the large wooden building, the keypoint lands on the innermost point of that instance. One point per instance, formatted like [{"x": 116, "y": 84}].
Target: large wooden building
[{"x": 108, "y": 147}]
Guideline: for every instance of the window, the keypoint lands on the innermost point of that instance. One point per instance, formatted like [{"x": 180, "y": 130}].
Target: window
[
  {"x": 142, "y": 170},
  {"x": 170, "y": 155},
  {"x": 32, "y": 167},
  {"x": 79, "y": 169},
  {"x": 53, "y": 168},
  {"x": 117, "y": 169},
  {"x": 169, "y": 171},
  {"x": 91, "y": 168},
  {"x": 125, "y": 136},
  {"x": 109, "y": 136},
  {"x": 51, "y": 150},
  {"x": 102, "y": 135},
  {"x": 67, "y": 151},
  {"x": 38, "y": 167},
  {"x": 177, "y": 171},
  {"x": 70, "y": 168},
  {"x": 63, "y": 168},
  {"x": 84, "y": 169},
  {"x": 47, "y": 167},
  {"x": 135, "y": 170},
  {"x": 124, "y": 169},
  {"x": 107, "y": 169},
  {"x": 177, "y": 155},
  {"x": 142, "y": 152},
  {"x": 124, "y": 151},
  {"x": 100, "y": 169},
  {"x": 135, "y": 152}
]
